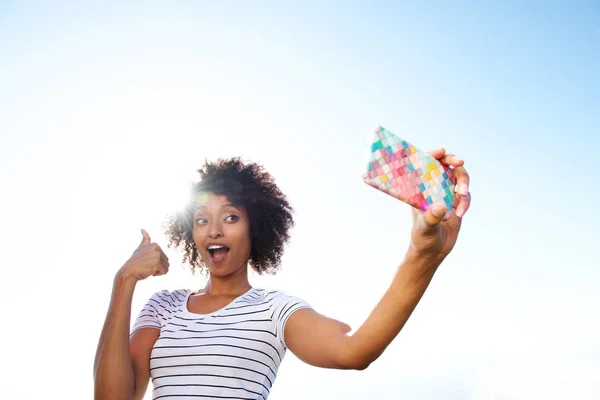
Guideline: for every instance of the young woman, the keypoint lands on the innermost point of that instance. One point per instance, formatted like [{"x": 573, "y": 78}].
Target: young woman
[{"x": 227, "y": 340}]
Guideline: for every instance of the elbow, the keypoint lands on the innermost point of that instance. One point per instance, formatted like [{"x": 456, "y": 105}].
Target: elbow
[
  {"x": 356, "y": 362},
  {"x": 362, "y": 362},
  {"x": 357, "y": 365},
  {"x": 356, "y": 357},
  {"x": 361, "y": 366}
]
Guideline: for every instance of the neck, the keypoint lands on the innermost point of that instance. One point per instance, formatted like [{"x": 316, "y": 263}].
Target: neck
[{"x": 235, "y": 284}]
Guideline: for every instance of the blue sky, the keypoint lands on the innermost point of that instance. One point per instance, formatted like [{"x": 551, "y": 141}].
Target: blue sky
[{"x": 106, "y": 111}]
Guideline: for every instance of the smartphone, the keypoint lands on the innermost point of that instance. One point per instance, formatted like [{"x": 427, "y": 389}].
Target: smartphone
[{"x": 405, "y": 172}]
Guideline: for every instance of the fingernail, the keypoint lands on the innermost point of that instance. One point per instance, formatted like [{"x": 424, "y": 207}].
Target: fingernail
[
  {"x": 462, "y": 189},
  {"x": 457, "y": 159},
  {"x": 438, "y": 210}
]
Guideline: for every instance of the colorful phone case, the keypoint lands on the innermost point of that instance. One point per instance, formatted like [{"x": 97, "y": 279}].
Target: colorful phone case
[{"x": 407, "y": 173}]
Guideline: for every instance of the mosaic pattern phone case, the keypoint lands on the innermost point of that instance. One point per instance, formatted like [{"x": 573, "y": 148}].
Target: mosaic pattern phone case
[{"x": 407, "y": 173}]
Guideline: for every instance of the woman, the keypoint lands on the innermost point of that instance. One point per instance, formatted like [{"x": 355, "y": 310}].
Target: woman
[{"x": 227, "y": 340}]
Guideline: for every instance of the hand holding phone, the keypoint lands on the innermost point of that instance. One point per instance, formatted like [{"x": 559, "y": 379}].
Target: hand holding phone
[{"x": 405, "y": 172}]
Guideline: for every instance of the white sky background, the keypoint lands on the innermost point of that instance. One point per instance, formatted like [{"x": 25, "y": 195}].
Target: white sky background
[{"x": 106, "y": 113}]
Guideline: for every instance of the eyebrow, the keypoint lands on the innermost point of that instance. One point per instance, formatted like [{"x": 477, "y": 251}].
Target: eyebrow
[{"x": 199, "y": 207}]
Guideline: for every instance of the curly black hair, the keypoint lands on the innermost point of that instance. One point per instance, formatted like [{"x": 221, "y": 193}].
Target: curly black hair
[{"x": 244, "y": 184}]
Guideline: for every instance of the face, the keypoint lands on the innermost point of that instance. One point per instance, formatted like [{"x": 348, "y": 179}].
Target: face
[{"x": 222, "y": 234}]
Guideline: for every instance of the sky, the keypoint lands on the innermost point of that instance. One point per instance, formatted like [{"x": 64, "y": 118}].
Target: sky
[{"x": 106, "y": 111}]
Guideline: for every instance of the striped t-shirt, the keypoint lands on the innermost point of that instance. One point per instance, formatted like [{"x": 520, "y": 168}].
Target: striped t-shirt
[{"x": 232, "y": 353}]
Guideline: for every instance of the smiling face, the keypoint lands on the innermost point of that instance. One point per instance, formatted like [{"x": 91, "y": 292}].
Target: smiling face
[{"x": 222, "y": 234}]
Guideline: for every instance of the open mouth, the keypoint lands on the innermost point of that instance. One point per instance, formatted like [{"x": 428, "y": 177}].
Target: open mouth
[{"x": 218, "y": 252}]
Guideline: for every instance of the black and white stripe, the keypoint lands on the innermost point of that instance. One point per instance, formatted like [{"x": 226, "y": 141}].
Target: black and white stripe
[{"x": 233, "y": 353}]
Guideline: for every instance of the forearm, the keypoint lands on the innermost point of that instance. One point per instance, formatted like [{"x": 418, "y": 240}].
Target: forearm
[
  {"x": 113, "y": 368},
  {"x": 393, "y": 310}
]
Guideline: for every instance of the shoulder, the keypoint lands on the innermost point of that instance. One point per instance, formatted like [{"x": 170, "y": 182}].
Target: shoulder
[
  {"x": 159, "y": 308},
  {"x": 281, "y": 301},
  {"x": 282, "y": 305},
  {"x": 274, "y": 296},
  {"x": 169, "y": 299}
]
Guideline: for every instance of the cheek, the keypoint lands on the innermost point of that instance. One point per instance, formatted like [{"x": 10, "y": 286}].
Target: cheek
[
  {"x": 243, "y": 237},
  {"x": 197, "y": 235},
  {"x": 248, "y": 243}
]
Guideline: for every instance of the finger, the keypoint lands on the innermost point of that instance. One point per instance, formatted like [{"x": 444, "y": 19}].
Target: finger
[
  {"x": 452, "y": 160},
  {"x": 463, "y": 205},
  {"x": 160, "y": 269},
  {"x": 455, "y": 199},
  {"x": 164, "y": 269},
  {"x": 164, "y": 260},
  {"x": 438, "y": 153},
  {"x": 462, "y": 181},
  {"x": 447, "y": 216},
  {"x": 163, "y": 257},
  {"x": 433, "y": 216},
  {"x": 145, "y": 238}
]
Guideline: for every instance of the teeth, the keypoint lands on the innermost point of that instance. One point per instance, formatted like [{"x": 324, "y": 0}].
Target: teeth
[{"x": 215, "y": 247}]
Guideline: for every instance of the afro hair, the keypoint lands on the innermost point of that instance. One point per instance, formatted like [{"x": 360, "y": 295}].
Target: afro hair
[{"x": 244, "y": 184}]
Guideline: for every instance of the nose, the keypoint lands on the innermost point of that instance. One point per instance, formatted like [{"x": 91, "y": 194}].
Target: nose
[{"x": 215, "y": 231}]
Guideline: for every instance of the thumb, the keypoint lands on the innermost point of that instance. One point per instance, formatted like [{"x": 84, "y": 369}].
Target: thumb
[
  {"x": 433, "y": 215},
  {"x": 145, "y": 238}
]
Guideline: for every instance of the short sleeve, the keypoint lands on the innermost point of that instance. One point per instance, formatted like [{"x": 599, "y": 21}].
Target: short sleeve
[
  {"x": 284, "y": 306},
  {"x": 155, "y": 312}
]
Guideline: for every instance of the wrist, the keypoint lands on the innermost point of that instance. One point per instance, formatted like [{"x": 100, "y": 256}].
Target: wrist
[
  {"x": 123, "y": 277},
  {"x": 422, "y": 258}
]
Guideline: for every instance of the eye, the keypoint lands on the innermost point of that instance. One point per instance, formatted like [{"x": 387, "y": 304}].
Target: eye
[
  {"x": 232, "y": 218},
  {"x": 201, "y": 221}
]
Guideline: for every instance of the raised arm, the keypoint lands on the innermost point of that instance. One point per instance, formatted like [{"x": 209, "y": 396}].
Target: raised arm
[
  {"x": 121, "y": 370},
  {"x": 324, "y": 342}
]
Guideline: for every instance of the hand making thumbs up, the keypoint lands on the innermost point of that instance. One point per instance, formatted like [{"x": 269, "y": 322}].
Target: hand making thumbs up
[{"x": 148, "y": 259}]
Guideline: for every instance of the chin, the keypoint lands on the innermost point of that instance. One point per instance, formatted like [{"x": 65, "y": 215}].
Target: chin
[
  {"x": 220, "y": 272},
  {"x": 224, "y": 270}
]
